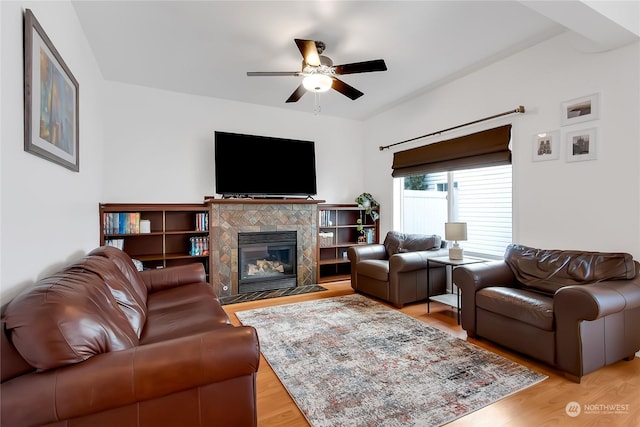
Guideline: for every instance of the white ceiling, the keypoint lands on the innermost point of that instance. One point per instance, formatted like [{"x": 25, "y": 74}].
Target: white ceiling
[{"x": 206, "y": 47}]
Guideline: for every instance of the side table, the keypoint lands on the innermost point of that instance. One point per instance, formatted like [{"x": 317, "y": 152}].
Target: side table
[{"x": 449, "y": 298}]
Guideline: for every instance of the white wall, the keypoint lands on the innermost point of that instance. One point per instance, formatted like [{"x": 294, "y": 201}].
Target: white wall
[
  {"x": 146, "y": 145},
  {"x": 159, "y": 144},
  {"x": 49, "y": 214},
  {"x": 591, "y": 205}
]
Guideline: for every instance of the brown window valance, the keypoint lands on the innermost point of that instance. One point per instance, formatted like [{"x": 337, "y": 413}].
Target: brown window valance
[{"x": 487, "y": 148}]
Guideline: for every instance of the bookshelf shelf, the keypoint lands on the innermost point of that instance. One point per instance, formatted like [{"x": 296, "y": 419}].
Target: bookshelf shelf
[
  {"x": 179, "y": 233},
  {"x": 337, "y": 230}
]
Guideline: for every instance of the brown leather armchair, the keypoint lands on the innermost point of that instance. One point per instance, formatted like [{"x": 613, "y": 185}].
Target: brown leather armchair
[
  {"x": 396, "y": 271},
  {"x": 574, "y": 310}
]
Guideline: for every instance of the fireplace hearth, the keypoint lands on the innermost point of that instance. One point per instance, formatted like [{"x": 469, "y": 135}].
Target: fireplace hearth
[{"x": 267, "y": 260}]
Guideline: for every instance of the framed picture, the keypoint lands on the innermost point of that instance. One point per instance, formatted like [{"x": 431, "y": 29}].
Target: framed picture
[
  {"x": 580, "y": 109},
  {"x": 546, "y": 146},
  {"x": 50, "y": 99},
  {"x": 581, "y": 145}
]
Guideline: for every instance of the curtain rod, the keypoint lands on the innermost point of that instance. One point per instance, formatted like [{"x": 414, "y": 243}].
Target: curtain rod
[{"x": 520, "y": 109}]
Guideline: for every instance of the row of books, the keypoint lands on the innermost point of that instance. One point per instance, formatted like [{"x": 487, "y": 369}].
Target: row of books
[
  {"x": 121, "y": 222},
  {"x": 117, "y": 243},
  {"x": 202, "y": 221},
  {"x": 199, "y": 246},
  {"x": 325, "y": 218},
  {"x": 129, "y": 222}
]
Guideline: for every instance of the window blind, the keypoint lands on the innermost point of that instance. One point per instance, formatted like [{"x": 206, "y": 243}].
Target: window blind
[{"x": 481, "y": 149}]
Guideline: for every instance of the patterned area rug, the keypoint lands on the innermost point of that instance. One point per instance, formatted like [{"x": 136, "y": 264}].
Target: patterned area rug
[
  {"x": 353, "y": 361},
  {"x": 273, "y": 293}
]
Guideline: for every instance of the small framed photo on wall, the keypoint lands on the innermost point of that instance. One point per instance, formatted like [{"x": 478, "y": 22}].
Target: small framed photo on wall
[
  {"x": 581, "y": 145},
  {"x": 580, "y": 109},
  {"x": 546, "y": 146}
]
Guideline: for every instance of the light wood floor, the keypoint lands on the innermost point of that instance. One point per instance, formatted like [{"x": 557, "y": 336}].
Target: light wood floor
[{"x": 540, "y": 405}]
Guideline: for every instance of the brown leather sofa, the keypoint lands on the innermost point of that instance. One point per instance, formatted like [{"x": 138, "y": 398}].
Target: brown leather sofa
[
  {"x": 102, "y": 344},
  {"x": 396, "y": 270},
  {"x": 574, "y": 310}
]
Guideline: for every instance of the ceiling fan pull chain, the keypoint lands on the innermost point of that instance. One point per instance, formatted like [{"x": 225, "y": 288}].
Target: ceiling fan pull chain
[{"x": 316, "y": 108}]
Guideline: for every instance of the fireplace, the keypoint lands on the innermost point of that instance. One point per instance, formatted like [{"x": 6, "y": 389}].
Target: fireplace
[{"x": 267, "y": 260}]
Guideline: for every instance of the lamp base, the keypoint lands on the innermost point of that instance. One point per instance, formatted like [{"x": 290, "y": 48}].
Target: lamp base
[{"x": 455, "y": 253}]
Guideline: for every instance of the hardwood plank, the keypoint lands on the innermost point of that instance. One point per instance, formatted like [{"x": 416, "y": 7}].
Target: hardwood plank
[{"x": 540, "y": 405}]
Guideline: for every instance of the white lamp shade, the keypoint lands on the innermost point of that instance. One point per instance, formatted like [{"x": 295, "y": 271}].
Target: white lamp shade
[
  {"x": 317, "y": 83},
  {"x": 455, "y": 231}
]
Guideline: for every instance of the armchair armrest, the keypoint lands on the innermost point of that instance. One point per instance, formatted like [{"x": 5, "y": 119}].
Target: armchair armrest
[
  {"x": 170, "y": 277},
  {"x": 408, "y": 261},
  {"x": 119, "y": 378},
  {"x": 579, "y": 312},
  {"x": 363, "y": 252},
  {"x": 473, "y": 277}
]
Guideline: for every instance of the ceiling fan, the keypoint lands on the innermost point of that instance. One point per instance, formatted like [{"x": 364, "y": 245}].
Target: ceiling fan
[{"x": 319, "y": 72}]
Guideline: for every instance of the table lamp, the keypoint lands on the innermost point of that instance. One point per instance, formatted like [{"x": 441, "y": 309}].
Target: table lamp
[{"x": 455, "y": 231}]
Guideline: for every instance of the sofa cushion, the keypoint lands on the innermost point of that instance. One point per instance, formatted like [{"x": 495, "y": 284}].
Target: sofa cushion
[
  {"x": 181, "y": 311},
  {"x": 124, "y": 262},
  {"x": 66, "y": 318},
  {"x": 129, "y": 301},
  {"x": 549, "y": 270},
  {"x": 396, "y": 242}
]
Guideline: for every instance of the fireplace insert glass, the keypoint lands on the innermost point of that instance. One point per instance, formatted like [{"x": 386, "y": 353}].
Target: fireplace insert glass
[{"x": 266, "y": 260}]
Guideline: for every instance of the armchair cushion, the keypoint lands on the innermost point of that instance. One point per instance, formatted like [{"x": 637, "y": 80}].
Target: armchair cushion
[
  {"x": 547, "y": 271},
  {"x": 396, "y": 242},
  {"x": 518, "y": 304}
]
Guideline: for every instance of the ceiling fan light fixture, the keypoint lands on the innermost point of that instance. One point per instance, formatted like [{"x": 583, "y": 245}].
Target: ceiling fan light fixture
[{"x": 317, "y": 83}]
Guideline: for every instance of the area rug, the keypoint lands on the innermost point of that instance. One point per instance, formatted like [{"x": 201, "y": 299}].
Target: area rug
[
  {"x": 273, "y": 293},
  {"x": 351, "y": 361}
]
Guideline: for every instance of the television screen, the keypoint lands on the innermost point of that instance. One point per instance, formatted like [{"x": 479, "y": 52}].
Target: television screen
[{"x": 251, "y": 165}]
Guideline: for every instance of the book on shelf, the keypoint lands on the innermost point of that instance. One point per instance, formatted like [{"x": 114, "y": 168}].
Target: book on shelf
[
  {"x": 121, "y": 222},
  {"x": 199, "y": 246},
  {"x": 202, "y": 221},
  {"x": 325, "y": 218},
  {"x": 116, "y": 243}
]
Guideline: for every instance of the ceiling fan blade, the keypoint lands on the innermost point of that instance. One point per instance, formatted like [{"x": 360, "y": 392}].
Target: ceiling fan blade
[
  {"x": 273, "y": 73},
  {"x": 297, "y": 94},
  {"x": 361, "y": 67},
  {"x": 345, "y": 89},
  {"x": 309, "y": 51}
]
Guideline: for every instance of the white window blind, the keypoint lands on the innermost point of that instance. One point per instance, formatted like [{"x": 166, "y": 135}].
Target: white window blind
[
  {"x": 481, "y": 198},
  {"x": 483, "y": 201}
]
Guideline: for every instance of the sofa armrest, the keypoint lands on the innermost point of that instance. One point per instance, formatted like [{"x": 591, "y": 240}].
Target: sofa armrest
[
  {"x": 170, "y": 277},
  {"x": 119, "y": 378}
]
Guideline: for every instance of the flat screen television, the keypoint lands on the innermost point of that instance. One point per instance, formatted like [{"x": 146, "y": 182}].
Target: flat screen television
[{"x": 263, "y": 166}]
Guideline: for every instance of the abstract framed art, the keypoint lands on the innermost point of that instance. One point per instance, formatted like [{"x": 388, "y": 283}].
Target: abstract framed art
[
  {"x": 581, "y": 145},
  {"x": 546, "y": 146},
  {"x": 51, "y": 95},
  {"x": 580, "y": 109}
]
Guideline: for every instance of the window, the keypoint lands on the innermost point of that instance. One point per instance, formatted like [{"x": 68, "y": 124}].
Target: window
[{"x": 481, "y": 197}]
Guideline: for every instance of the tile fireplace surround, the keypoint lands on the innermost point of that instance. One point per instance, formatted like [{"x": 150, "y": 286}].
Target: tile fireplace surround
[{"x": 229, "y": 217}]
